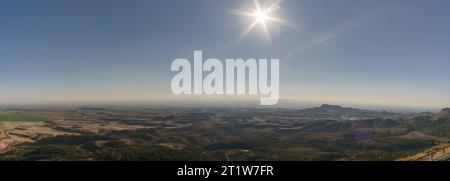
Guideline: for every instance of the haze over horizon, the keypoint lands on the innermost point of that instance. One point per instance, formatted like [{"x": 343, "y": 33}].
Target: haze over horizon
[{"x": 358, "y": 53}]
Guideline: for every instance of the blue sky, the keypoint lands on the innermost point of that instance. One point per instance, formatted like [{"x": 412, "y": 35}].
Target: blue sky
[{"x": 386, "y": 53}]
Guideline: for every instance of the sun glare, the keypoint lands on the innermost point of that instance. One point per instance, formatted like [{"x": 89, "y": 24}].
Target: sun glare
[
  {"x": 263, "y": 14},
  {"x": 260, "y": 16}
]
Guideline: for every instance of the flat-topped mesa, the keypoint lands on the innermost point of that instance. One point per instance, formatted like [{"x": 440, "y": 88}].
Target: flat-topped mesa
[
  {"x": 329, "y": 106},
  {"x": 444, "y": 114},
  {"x": 446, "y": 110}
]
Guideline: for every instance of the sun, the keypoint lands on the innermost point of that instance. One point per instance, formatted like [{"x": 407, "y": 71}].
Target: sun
[
  {"x": 260, "y": 16},
  {"x": 263, "y": 14}
]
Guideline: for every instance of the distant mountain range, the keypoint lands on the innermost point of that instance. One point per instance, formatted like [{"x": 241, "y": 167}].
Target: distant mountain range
[{"x": 347, "y": 113}]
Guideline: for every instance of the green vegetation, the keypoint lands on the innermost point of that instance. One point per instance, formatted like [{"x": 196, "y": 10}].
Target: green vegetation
[
  {"x": 150, "y": 153},
  {"x": 26, "y": 117}
]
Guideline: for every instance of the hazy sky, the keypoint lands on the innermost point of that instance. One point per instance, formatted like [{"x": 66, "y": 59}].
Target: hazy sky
[{"x": 352, "y": 52}]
